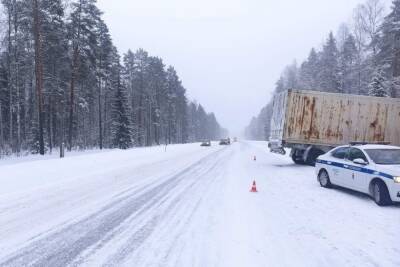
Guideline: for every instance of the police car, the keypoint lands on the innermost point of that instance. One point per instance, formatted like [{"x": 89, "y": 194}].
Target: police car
[{"x": 370, "y": 169}]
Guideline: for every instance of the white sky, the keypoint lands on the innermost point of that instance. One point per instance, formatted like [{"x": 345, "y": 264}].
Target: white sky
[{"x": 228, "y": 53}]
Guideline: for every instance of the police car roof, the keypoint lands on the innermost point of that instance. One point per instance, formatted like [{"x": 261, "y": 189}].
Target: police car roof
[{"x": 375, "y": 146}]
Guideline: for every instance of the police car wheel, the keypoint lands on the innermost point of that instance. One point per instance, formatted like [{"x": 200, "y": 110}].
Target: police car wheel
[
  {"x": 380, "y": 194},
  {"x": 323, "y": 178}
]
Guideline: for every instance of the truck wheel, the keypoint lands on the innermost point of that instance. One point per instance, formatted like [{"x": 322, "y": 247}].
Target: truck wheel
[
  {"x": 380, "y": 193},
  {"x": 323, "y": 179},
  {"x": 312, "y": 156},
  {"x": 297, "y": 160}
]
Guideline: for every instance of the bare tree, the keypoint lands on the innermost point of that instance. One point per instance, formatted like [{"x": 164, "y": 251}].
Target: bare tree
[
  {"x": 342, "y": 35},
  {"x": 371, "y": 16},
  {"x": 359, "y": 34}
]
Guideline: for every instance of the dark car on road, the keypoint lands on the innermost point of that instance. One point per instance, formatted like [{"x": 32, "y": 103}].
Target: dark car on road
[
  {"x": 225, "y": 142},
  {"x": 206, "y": 143}
]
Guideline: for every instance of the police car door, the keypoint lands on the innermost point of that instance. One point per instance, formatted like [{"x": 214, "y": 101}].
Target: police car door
[
  {"x": 338, "y": 172},
  {"x": 355, "y": 170}
]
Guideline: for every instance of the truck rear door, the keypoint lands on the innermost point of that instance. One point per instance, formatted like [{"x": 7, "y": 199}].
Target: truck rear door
[{"x": 278, "y": 120}]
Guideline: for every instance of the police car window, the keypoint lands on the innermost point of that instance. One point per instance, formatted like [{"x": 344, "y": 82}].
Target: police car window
[
  {"x": 384, "y": 156},
  {"x": 357, "y": 154},
  {"x": 340, "y": 153}
]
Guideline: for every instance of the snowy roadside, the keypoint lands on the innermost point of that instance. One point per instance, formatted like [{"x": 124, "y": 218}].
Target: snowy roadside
[
  {"x": 189, "y": 206},
  {"x": 37, "y": 196},
  {"x": 26, "y": 157}
]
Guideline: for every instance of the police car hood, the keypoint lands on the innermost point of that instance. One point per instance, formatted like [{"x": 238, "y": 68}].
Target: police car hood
[{"x": 390, "y": 169}]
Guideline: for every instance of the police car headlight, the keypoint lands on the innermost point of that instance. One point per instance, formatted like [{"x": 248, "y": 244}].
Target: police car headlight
[{"x": 397, "y": 179}]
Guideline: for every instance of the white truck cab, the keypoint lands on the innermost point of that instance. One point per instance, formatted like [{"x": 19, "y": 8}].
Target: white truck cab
[{"x": 370, "y": 169}]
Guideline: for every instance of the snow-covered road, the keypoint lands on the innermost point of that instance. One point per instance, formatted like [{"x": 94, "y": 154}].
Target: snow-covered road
[{"x": 187, "y": 206}]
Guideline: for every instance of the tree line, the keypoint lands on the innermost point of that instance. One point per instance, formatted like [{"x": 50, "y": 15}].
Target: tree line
[
  {"x": 62, "y": 81},
  {"x": 362, "y": 58}
]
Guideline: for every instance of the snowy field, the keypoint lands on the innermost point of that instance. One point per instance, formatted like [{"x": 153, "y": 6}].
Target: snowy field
[{"x": 186, "y": 206}]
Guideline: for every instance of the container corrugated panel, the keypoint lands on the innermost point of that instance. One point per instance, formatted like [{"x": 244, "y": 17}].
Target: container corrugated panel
[
  {"x": 334, "y": 119},
  {"x": 278, "y": 116}
]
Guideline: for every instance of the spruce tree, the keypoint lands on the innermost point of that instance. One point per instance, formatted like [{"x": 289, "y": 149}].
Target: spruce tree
[
  {"x": 122, "y": 135},
  {"x": 329, "y": 67},
  {"x": 388, "y": 44},
  {"x": 348, "y": 61},
  {"x": 308, "y": 73},
  {"x": 377, "y": 86}
]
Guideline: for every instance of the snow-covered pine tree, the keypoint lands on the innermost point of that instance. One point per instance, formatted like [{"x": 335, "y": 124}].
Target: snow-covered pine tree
[
  {"x": 38, "y": 40},
  {"x": 121, "y": 126},
  {"x": 103, "y": 61},
  {"x": 291, "y": 76},
  {"x": 308, "y": 73},
  {"x": 388, "y": 46},
  {"x": 155, "y": 96},
  {"x": 18, "y": 71},
  {"x": 259, "y": 127},
  {"x": 139, "y": 84},
  {"x": 348, "y": 62},
  {"x": 55, "y": 64},
  {"x": 378, "y": 87},
  {"x": 172, "y": 84},
  {"x": 181, "y": 115},
  {"x": 280, "y": 85},
  {"x": 192, "y": 121},
  {"x": 129, "y": 78},
  {"x": 329, "y": 67},
  {"x": 83, "y": 20},
  {"x": 212, "y": 127}
]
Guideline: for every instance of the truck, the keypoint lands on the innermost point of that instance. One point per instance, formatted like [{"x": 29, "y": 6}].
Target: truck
[{"x": 311, "y": 123}]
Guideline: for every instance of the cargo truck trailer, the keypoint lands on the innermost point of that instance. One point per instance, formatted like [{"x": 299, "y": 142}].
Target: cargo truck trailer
[{"x": 311, "y": 123}]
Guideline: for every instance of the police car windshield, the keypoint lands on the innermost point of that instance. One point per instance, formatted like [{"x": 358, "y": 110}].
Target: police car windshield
[{"x": 384, "y": 156}]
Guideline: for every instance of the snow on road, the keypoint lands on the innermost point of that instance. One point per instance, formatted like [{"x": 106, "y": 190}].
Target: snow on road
[{"x": 186, "y": 206}]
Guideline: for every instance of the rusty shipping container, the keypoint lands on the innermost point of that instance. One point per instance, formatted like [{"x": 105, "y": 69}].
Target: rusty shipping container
[{"x": 318, "y": 120}]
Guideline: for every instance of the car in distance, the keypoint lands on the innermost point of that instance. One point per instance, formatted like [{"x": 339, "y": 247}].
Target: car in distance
[
  {"x": 206, "y": 143},
  {"x": 225, "y": 142},
  {"x": 371, "y": 169}
]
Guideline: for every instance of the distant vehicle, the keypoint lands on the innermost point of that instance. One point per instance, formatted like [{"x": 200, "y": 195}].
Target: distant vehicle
[
  {"x": 312, "y": 123},
  {"x": 235, "y": 139},
  {"x": 206, "y": 143},
  {"x": 370, "y": 169},
  {"x": 225, "y": 142}
]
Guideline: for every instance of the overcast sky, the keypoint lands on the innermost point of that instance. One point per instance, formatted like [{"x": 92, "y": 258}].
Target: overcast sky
[{"x": 228, "y": 53}]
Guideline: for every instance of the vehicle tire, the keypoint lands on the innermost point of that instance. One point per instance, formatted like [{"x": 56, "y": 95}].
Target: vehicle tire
[
  {"x": 312, "y": 156},
  {"x": 323, "y": 179},
  {"x": 380, "y": 194},
  {"x": 296, "y": 159}
]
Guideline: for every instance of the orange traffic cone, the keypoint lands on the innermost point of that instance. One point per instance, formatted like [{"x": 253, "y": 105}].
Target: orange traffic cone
[{"x": 254, "y": 187}]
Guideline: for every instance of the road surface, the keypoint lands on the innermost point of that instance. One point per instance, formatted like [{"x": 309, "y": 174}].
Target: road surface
[{"x": 187, "y": 205}]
